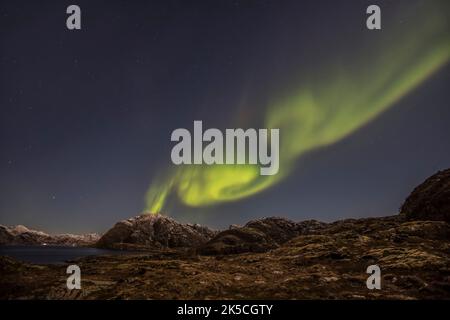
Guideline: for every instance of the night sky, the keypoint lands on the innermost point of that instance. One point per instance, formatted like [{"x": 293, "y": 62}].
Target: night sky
[{"x": 86, "y": 115}]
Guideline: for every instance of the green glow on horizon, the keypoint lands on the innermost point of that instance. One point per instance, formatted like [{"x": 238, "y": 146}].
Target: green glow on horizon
[{"x": 320, "y": 114}]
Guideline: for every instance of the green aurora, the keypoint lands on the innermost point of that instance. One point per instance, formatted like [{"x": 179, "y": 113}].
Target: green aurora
[{"x": 351, "y": 91}]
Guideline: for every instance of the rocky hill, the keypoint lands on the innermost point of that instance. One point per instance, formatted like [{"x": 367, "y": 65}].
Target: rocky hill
[
  {"x": 21, "y": 235},
  {"x": 258, "y": 236},
  {"x": 153, "y": 231},
  {"x": 430, "y": 200}
]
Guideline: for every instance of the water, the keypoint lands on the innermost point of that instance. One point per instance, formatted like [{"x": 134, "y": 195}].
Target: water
[{"x": 52, "y": 254}]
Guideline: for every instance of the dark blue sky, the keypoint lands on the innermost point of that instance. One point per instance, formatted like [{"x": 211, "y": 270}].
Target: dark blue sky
[{"x": 86, "y": 116}]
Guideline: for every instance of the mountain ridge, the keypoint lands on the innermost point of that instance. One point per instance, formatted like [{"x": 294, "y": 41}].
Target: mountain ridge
[{"x": 21, "y": 235}]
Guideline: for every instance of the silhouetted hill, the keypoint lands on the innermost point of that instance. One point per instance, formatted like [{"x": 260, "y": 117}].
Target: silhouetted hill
[{"x": 430, "y": 200}]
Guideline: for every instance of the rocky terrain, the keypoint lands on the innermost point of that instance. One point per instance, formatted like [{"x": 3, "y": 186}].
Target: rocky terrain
[
  {"x": 150, "y": 231},
  {"x": 258, "y": 236},
  {"x": 21, "y": 235},
  {"x": 270, "y": 258},
  {"x": 430, "y": 200}
]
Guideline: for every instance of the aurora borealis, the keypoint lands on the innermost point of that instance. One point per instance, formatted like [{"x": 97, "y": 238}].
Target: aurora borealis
[
  {"x": 86, "y": 115},
  {"x": 349, "y": 94}
]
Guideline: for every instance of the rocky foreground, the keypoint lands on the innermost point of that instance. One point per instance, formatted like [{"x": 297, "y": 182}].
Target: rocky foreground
[
  {"x": 271, "y": 258},
  {"x": 329, "y": 263}
]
